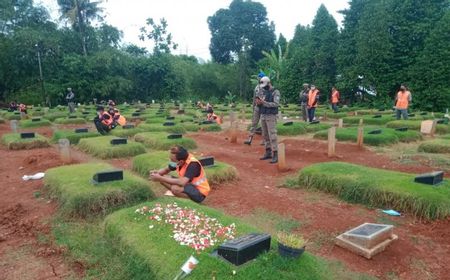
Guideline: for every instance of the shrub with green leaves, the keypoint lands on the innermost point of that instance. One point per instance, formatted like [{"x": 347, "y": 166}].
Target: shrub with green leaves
[
  {"x": 70, "y": 121},
  {"x": 159, "y": 141},
  {"x": 376, "y": 188},
  {"x": 437, "y": 146},
  {"x": 387, "y": 137},
  {"x": 30, "y": 123},
  {"x": 155, "y": 249},
  {"x": 219, "y": 173},
  {"x": 101, "y": 147},
  {"x": 14, "y": 142},
  {"x": 72, "y": 136},
  {"x": 79, "y": 197},
  {"x": 415, "y": 125}
]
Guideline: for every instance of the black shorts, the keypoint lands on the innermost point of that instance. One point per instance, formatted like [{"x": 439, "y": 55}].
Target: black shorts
[{"x": 193, "y": 193}]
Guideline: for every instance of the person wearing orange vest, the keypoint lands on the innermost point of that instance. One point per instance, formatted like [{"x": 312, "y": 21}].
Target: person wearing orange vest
[
  {"x": 402, "y": 102},
  {"x": 103, "y": 121},
  {"x": 335, "y": 96},
  {"x": 191, "y": 182},
  {"x": 313, "y": 99},
  {"x": 213, "y": 117}
]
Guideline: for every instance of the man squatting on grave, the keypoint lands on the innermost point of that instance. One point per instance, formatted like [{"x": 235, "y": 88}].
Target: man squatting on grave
[{"x": 191, "y": 182}]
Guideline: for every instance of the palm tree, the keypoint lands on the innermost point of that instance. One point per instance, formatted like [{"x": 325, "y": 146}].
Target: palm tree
[
  {"x": 79, "y": 13},
  {"x": 276, "y": 61}
]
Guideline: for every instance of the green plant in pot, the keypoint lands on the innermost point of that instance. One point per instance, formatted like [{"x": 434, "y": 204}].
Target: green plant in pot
[{"x": 290, "y": 245}]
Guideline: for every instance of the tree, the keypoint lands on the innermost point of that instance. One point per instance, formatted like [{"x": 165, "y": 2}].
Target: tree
[
  {"x": 243, "y": 27},
  {"x": 158, "y": 34},
  {"x": 79, "y": 14}
]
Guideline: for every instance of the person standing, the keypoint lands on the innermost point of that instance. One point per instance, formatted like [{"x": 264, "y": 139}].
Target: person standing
[
  {"x": 303, "y": 97},
  {"x": 70, "y": 98},
  {"x": 256, "y": 110},
  {"x": 402, "y": 102},
  {"x": 269, "y": 113},
  {"x": 335, "y": 96},
  {"x": 313, "y": 99}
]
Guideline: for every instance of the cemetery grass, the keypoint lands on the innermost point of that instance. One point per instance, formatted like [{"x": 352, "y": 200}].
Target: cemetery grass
[
  {"x": 159, "y": 141},
  {"x": 219, "y": 173},
  {"x": 69, "y": 121},
  {"x": 102, "y": 148},
  {"x": 30, "y": 123},
  {"x": 437, "y": 146},
  {"x": 415, "y": 125},
  {"x": 120, "y": 132},
  {"x": 78, "y": 197},
  {"x": 72, "y": 136},
  {"x": 376, "y": 188},
  {"x": 14, "y": 142}
]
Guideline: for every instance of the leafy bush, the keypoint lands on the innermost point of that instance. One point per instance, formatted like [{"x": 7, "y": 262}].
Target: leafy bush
[
  {"x": 14, "y": 142},
  {"x": 101, "y": 147},
  {"x": 78, "y": 197},
  {"x": 377, "y": 188}
]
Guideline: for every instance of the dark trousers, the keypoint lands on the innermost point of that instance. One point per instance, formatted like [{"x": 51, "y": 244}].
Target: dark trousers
[
  {"x": 102, "y": 128},
  {"x": 334, "y": 107},
  {"x": 311, "y": 113}
]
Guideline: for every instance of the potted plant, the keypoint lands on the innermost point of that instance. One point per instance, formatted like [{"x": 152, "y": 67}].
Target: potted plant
[{"x": 290, "y": 245}]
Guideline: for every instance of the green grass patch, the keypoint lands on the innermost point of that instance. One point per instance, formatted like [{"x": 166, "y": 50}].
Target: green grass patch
[
  {"x": 177, "y": 128},
  {"x": 30, "y": 123},
  {"x": 387, "y": 137},
  {"x": 11, "y": 116},
  {"x": 415, "y": 125},
  {"x": 120, "y": 132},
  {"x": 210, "y": 127},
  {"x": 437, "y": 146},
  {"x": 219, "y": 173},
  {"x": 101, "y": 147},
  {"x": 296, "y": 128},
  {"x": 14, "y": 142},
  {"x": 377, "y": 188},
  {"x": 79, "y": 197},
  {"x": 159, "y": 141},
  {"x": 70, "y": 121},
  {"x": 369, "y": 119},
  {"x": 56, "y": 115},
  {"x": 154, "y": 249},
  {"x": 73, "y": 137}
]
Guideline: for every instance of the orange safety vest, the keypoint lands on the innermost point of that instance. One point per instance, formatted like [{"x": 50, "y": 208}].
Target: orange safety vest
[
  {"x": 403, "y": 100},
  {"x": 312, "y": 98},
  {"x": 105, "y": 121},
  {"x": 200, "y": 182},
  {"x": 214, "y": 117},
  {"x": 335, "y": 97}
]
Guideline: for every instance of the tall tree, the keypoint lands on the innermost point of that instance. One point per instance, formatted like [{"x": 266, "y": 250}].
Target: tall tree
[
  {"x": 243, "y": 27},
  {"x": 79, "y": 14},
  {"x": 158, "y": 33}
]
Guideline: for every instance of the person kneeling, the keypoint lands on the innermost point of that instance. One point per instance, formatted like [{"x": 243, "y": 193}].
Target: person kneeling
[
  {"x": 103, "y": 121},
  {"x": 191, "y": 182}
]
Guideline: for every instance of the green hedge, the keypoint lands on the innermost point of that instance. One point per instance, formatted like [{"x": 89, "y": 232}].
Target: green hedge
[
  {"x": 415, "y": 125},
  {"x": 14, "y": 142},
  {"x": 159, "y": 141},
  {"x": 101, "y": 147},
  {"x": 78, "y": 197},
  {"x": 73, "y": 137},
  {"x": 155, "y": 250},
  {"x": 438, "y": 146},
  {"x": 219, "y": 173},
  {"x": 31, "y": 124},
  {"x": 388, "y": 136},
  {"x": 70, "y": 121},
  {"x": 377, "y": 188}
]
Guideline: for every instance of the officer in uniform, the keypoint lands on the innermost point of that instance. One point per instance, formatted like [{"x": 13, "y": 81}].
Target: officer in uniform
[
  {"x": 256, "y": 110},
  {"x": 269, "y": 113}
]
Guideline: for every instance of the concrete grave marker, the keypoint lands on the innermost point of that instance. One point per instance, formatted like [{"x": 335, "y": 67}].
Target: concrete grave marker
[
  {"x": 119, "y": 141},
  {"x": 207, "y": 161},
  {"x": 432, "y": 178},
  {"x": 26, "y": 135},
  {"x": 174, "y": 136},
  {"x": 36, "y": 119},
  {"x": 367, "y": 239},
  {"x": 428, "y": 127},
  {"x": 108, "y": 176},
  {"x": 244, "y": 248}
]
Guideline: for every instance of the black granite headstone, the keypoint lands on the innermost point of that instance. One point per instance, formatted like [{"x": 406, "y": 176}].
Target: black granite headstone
[
  {"x": 85, "y": 113},
  {"x": 411, "y": 115},
  {"x": 244, "y": 248},
  {"x": 36, "y": 119},
  {"x": 376, "y": 116},
  {"x": 288, "y": 123},
  {"x": 135, "y": 114},
  {"x": 25, "y": 135},
  {"x": 442, "y": 121},
  {"x": 424, "y": 113},
  {"x": 375, "y": 131},
  {"x": 207, "y": 161},
  {"x": 432, "y": 178},
  {"x": 16, "y": 113},
  {"x": 168, "y": 124},
  {"x": 72, "y": 117},
  {"x": 119, "y": 141},
  {"x": 402, "y": 129},
  {"x": 174, "y": 136},
  {"x": 81, "y": 130},
  {"x": 170, "y": 118},
  {"x": 108, "y": 176}
]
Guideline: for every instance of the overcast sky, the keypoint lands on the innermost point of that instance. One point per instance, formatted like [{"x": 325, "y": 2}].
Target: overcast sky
[{"x": 187, "y": 19}]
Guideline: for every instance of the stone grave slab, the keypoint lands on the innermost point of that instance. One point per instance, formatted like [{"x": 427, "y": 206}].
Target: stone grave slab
[
  {"x": 427, "y": 127},
  {"x": 367, "y": 239},
  {"x": 432, "y": 178},
  {"x": 36, "y": 119},
  {"x": 245, "y": 248},
  {"x": 288, "y": 123},
  {"x": 206, "y": 161},
  {"x": 168, "y": 124},
  {"x": 174, "y": 136},
  {"x": 108, "y": 176},
  {"x": 402, "y": 129},
  {"x": 375, "y": 131},
  {"x": 26, "y": 135},
  {"x": 81, "y": 130},
  {"x": 119, "y": 141},
  {"x": 135, "y": 114}
]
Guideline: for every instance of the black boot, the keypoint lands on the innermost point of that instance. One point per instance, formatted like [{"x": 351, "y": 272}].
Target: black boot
[
  {"x": 275, "y": 157},
  {"x": 267, "y": 155},
  {"x": 249, "y": 140}
]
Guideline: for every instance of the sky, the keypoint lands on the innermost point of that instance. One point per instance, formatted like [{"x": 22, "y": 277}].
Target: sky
[{"x": 187, "y": 19}]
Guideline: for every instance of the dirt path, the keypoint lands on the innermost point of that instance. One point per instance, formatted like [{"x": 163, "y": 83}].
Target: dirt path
[{"x": 422, "y": 251}]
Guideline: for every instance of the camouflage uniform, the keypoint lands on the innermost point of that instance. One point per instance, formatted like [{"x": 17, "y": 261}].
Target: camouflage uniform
[
  {"x": 259, "y": 92},
  {"x": 269, "y": 114}
]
